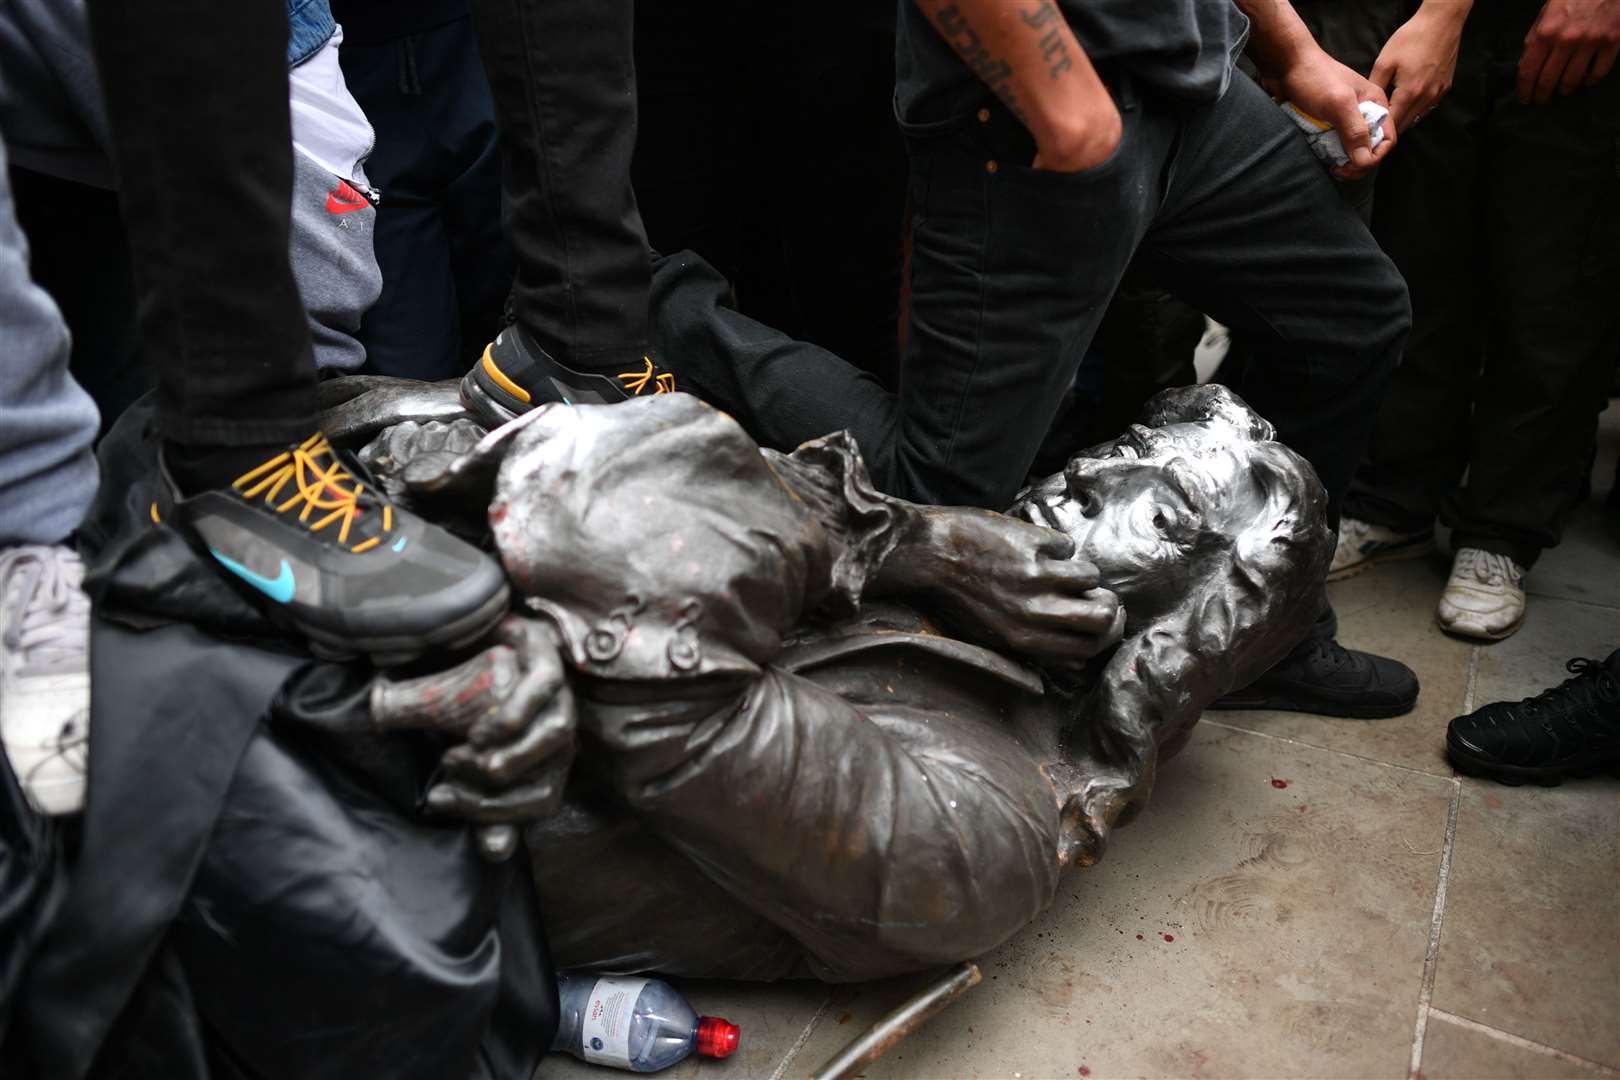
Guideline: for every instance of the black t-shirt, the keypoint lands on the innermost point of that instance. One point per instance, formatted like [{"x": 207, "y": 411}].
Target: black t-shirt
[{"x": 1182, "y": 48}]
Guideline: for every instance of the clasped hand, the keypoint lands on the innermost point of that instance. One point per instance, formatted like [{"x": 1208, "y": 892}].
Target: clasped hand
[
  {"x": 511, "y": 714},
  {"x": 1017, "y": 587}
]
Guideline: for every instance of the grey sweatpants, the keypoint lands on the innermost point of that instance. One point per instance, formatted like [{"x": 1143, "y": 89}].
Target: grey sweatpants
[{"x": 47, "y": 473}]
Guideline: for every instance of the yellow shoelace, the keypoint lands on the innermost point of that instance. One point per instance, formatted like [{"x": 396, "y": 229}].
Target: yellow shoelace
[
  {"x": 636, "y": 381},
  {"x": 318, "y": 487}
]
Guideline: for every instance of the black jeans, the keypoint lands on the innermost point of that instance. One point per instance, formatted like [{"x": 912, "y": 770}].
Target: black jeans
[
  {"x": 721, "y": 166},
  {"x": 1012, "y": 269},
  {"x": 445, "y": 258},
  {"x": 563, "y": 78},
  {"x": 202, "y": 144},
  {"x": 1505, "y": 219}
]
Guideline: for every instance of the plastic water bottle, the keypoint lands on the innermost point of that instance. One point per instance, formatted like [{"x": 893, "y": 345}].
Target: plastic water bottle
[{"x": 642, "y": 1025}]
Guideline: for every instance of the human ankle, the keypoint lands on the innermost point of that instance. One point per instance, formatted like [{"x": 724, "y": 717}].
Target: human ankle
[{"x": 199, "y": 467}]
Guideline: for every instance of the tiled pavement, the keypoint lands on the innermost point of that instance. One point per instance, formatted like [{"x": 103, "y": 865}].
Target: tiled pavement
[{"x": 1378, "y": 916}]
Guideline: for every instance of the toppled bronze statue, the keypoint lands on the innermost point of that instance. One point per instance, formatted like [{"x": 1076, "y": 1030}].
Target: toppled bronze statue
[
  {"x": 824, "y": 732},
  {"x": 752, "y": 718}
]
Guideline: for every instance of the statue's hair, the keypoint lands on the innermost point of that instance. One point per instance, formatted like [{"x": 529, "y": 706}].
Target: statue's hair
[{"x": 1253, "y": 595}]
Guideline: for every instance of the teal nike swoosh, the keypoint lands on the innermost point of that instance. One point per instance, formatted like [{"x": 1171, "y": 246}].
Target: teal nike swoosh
[{"x": 278, "y": 588}]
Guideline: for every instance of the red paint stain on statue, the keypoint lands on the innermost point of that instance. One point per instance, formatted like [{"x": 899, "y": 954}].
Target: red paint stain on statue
[
  {"x": 1278, "y": 784},
  {"x": 1169, "y": 937},
  {"x": 1139, "y": 937},
  {"x": 1084, "y": 1071}
]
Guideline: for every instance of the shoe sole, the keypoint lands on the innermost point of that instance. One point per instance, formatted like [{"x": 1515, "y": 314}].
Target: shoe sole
[
  {"x": 1519, "y": 775},
  {"x": 1316, "y": 708},
  {"x": 1464, "y": 635},
  {"x": 1399, "y": 554},
  {"x": 492, "y": 405},
  {"x": 392, "y": 650}
]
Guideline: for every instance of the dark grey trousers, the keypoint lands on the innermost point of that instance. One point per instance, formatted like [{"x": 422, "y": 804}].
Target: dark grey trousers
[
  {"x": 1505, "y": 219},
  {"x": 1012, "y": 268}
]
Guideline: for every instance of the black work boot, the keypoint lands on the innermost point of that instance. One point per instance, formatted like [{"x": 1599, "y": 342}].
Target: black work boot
[
  {"x": 516, "y": 375},
  {"x": 1323, "y": 677},
  {"x": 1572, "y": 729}
]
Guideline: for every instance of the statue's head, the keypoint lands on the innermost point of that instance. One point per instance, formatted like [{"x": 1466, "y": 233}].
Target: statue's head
[
  {"x": 1198, "y": 495},
  {"x": 1215, "y": 538}
]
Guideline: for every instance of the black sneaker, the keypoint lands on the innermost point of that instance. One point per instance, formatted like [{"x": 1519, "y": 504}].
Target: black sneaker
[
  {"x": 1571, "y": 730},
  {"x": 517, "y": 375},
  {"x": 1323, "y": 677},
  {"x": 339, "y": 563}
]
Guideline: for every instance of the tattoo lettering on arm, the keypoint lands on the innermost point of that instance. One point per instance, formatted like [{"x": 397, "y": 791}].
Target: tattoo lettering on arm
[
  {"x": 995, "y": 73},
  {"x": 1045, "y": 21}
]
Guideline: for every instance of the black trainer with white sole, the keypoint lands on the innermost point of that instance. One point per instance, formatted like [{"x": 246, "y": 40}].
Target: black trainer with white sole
[
  {"x": 1570, "y": 730},
  {"x": 516, "y": 375},
  {"x": 308, "y": 535}
]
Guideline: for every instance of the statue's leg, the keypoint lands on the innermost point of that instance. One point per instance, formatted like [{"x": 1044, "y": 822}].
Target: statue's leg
[{"x": 615, "y": 896}]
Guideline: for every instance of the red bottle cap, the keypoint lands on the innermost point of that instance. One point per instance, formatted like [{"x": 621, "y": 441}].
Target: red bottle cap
[{"x": 717, "y": 1038}]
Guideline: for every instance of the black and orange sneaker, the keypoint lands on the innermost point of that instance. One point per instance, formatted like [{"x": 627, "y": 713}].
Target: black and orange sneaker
[
  {"x": 517, "y": 375},
  {"x": 307, "y": 533}
]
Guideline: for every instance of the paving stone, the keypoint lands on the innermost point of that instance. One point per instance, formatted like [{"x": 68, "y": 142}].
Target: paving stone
[
  {"x": 1528, "y": 941},
  {"x": 1268, "y": 916},
  {"x": 1533, "y": 659},
  {"x": 1387, "y": 610},
  {"x": 1458, "y": 1053}
]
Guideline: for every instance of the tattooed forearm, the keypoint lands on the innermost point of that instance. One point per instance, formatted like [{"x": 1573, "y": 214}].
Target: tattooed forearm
[
  {"x": 1046, "y": 20},
  {"x": 996, "y": 73}
]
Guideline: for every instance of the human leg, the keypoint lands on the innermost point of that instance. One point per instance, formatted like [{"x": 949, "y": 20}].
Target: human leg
[
  {"x": 562, "y": 76},
  {"x": 220, "y": 317},
  {"x": 1427, "y": 216},
  {"x": 47, "y": 479},
  {"x": 1254, "y": 233},
  {"x": 447, "y": 264},
  {"x": 1550, "y": 205},
  {"x": 201, "y": 137},
  {"x": 47, "y": 422},
  {"x": 1011, "y": 270},
  {"x": 1551, "y": 217},
  {"x": 783, "y": 391}
]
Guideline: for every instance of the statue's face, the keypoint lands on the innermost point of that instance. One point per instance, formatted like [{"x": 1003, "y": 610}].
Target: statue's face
[{"x": 1136, "y": 506}]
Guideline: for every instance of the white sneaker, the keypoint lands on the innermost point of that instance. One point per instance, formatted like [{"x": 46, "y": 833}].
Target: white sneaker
[
  {"x": 45, "y": 674},
  {"x": 1485, "y": 596},
  {"x": 1363, "y": 544}
]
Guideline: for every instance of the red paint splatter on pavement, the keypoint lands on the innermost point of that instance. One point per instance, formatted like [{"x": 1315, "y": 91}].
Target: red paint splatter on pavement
[
  {"x": 1084, "y": 1071},
  {"x": 1169, "y": 937},
  {"x": 1278, "y": 784}
]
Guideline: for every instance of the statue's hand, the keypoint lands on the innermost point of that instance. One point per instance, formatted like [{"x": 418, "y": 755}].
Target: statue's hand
[
  {"x": 512, "y": 711},
  {"x": 415, "y": 452},
  {"x": 1016, "y": 586}
]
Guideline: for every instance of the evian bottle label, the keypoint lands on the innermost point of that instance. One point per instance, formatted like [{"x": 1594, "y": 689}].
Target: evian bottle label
[{"x": 604, "y": 1031}]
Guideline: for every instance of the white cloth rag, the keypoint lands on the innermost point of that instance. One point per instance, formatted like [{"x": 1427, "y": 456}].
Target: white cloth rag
[{"x": 1324, "y": 137}]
